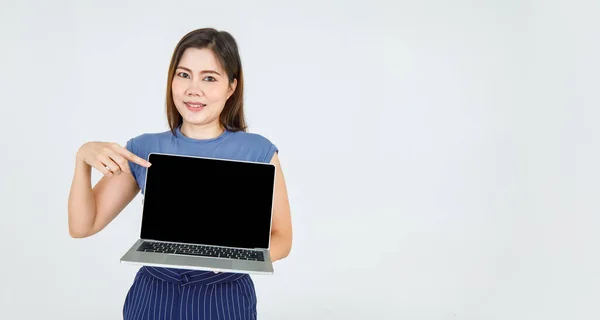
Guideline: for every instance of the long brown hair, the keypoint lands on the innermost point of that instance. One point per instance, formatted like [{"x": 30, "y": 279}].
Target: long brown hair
[{"x": 225, "y": 48}]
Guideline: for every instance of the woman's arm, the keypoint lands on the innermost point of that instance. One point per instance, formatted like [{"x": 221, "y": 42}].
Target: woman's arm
[
  {"x": 281, "y": 229},
  {"x": 92, "y": 209}
]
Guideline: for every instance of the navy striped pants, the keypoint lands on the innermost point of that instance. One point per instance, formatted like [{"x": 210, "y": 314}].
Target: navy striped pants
[{"x": 159, "y": 293}]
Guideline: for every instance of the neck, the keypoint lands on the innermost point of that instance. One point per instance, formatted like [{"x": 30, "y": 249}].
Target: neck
[{"x": 207, "y": 131}]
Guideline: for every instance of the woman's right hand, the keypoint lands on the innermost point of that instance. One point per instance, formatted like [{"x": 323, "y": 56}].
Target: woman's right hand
[{"x": 108, "y": 157}]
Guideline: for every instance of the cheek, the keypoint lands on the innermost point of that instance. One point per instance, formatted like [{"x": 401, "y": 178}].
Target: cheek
[
  {"x": 176, "y": 87},
  {"x": 216, "y": 93}
]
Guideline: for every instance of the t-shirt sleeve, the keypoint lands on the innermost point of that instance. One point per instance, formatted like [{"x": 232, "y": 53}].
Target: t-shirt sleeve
[
  {"x": 271, "y": 151},
  {"x": 133, "y": 167}
]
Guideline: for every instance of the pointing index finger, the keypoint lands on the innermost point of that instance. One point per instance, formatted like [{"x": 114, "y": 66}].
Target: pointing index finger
[{"x": 137, "y": 159}]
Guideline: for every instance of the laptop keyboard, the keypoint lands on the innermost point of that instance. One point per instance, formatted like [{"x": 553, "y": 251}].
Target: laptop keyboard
[{"x": 200, "y": 250}]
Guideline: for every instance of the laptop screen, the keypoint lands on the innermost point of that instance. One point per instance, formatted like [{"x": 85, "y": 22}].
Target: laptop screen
[{"x": 208, "y": 201}]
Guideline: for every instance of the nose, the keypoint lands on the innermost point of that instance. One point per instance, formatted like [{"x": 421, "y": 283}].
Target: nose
[{"x": 195, "y": 88}]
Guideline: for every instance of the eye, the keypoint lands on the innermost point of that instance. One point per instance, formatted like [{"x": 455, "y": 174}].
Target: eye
[
  {"x": 183, "y": 75},
  {"x": 210, "y": 79}
]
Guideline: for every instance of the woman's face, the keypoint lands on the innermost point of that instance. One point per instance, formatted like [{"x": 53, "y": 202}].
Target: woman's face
[{"x": 200, "y": 87}]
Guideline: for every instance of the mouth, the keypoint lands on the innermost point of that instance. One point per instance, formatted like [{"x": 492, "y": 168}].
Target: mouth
[{"x": 195, "y": 105}]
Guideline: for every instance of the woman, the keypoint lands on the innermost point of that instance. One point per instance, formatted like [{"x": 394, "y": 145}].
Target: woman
[{"x": 206, "y": 118}]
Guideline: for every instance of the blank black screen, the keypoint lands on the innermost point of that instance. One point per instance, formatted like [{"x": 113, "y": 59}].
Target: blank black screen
[{"x": 208, "y": 201}]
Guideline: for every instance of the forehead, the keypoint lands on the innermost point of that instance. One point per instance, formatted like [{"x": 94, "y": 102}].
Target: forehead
[{"x": 199, "y": 59}]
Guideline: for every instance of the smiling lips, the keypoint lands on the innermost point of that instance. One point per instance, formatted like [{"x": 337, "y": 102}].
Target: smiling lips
[{"x": 195, "y": 106}]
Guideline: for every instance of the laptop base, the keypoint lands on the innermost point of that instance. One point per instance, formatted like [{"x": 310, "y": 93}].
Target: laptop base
[{"x": 167, "y": 260}]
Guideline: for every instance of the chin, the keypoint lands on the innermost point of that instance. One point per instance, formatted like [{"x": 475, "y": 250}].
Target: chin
[{"x": 195, "y": 119}]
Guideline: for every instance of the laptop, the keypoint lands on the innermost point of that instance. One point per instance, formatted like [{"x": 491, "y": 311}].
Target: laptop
[{"x": 204, "y": 213}]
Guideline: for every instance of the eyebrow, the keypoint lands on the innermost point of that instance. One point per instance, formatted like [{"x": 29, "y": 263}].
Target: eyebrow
[{"x": 203, "y": 71}]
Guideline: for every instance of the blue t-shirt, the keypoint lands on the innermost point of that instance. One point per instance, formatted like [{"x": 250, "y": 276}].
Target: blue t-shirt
[{"x": 229, "y": 145}]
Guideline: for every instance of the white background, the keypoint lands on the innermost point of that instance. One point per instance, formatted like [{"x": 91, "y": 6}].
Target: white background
[{"x": 441, "y": 156}]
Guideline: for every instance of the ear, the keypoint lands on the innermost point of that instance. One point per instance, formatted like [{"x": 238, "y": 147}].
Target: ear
[{"x": 231, "y": 89}]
